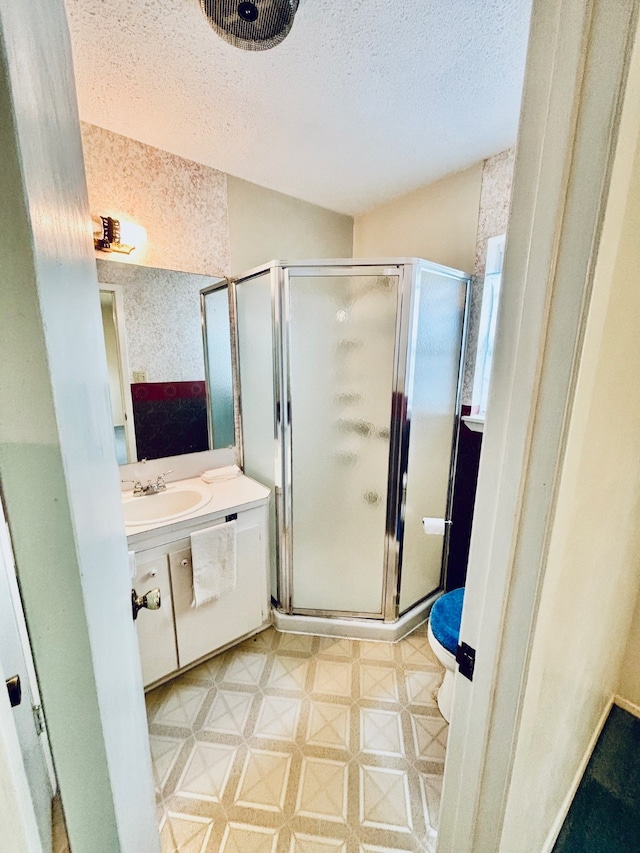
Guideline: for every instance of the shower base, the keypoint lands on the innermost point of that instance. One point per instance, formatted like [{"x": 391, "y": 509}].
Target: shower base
[{"x": 356, "y": 629}]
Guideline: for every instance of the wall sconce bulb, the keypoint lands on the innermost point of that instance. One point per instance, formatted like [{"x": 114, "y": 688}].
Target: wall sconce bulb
[{"x": 114, "y": 235}]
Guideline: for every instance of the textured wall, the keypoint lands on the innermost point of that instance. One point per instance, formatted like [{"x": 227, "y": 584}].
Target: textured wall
[
  {"x": 162, "y": 320},
  {"x": 493, "y": 216},
  {"x": 495, "y": 198},
  {"x": 182, "y": 204}
]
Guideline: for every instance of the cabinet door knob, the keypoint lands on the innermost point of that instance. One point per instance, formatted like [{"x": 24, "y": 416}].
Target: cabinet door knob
[
  {"x": 184, "y": 562},
  {"x": 153, "y": 573}
]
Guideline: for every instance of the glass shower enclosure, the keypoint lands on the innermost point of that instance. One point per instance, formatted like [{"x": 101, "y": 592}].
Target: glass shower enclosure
[{"x": 348, "y": 376}]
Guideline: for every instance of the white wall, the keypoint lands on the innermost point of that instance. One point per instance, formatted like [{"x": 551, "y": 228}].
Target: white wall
[
  {"x": 265, "y": 225},
  {"x": 629, "y": 684},
  {"x": 593, "y": 565},
  {"x": 438, "y": 222}
]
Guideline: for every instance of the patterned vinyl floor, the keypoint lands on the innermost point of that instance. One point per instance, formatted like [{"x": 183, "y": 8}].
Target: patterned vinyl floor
[
  {"x": 59, "y": 840},
  {"x": 299, "y": 744}
]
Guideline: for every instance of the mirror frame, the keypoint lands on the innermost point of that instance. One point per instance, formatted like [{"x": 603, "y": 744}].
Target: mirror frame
[
  {"x": 229, "y": 284},
  {"x": 116, "y": 288},
  {"x": 123, "y": 368}
]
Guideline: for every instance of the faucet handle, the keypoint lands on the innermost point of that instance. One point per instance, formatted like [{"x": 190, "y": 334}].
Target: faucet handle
[
  {"x": 138, "y": 488},
  {"x": 160, "y": 484}
]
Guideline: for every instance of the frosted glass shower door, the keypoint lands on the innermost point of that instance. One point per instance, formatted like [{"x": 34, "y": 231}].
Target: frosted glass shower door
[
  {"x": 341, "y": 365},
  {"x": 256, "y": 374},
  {"x": 437, "y": 352}
]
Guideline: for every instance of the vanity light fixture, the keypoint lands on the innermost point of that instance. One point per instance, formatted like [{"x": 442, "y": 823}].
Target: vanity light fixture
[{"x": 115, "y": 235}]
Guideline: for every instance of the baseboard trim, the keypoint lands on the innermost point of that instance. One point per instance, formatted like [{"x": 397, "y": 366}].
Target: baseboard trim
[
  {"x": 626, "y": 705},
  {"x": 552, "y": 837}
]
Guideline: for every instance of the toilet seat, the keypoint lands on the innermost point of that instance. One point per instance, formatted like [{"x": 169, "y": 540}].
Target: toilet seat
[
  {"x": 445, "y": 618},
  {"x": 443, "y": 632}
]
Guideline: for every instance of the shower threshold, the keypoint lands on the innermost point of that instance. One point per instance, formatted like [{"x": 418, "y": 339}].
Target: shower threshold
[{"x": 355, "y": 629}]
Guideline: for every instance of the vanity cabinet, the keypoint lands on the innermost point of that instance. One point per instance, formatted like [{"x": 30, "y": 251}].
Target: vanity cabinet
[
  {"x": 220, "y": 622},
  {"x": 178, "y": 635},
  {"x": 156, "y": 633}
]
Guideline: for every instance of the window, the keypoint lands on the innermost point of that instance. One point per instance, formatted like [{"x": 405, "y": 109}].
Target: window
[{"x": 487, "y": 330}]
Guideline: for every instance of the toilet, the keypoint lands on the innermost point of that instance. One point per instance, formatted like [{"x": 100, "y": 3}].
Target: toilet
[{"x": 444, "y": 632}]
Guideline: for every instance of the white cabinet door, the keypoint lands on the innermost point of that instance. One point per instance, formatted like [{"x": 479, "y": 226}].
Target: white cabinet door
[
  {"x": 203, "y": 630},
  {"x": 156, "y": 634},
  {"x": 14, "y": 645}
]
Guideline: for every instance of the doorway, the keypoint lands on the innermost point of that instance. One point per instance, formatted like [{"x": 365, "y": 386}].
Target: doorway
[{"x": 552, "y": 174}]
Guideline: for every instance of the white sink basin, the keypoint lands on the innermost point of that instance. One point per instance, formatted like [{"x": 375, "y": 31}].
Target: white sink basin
[{"x": 165, "y": 506}]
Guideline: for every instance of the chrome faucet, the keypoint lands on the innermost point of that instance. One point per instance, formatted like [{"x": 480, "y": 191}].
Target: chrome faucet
[{"x": 140, "y": 490}]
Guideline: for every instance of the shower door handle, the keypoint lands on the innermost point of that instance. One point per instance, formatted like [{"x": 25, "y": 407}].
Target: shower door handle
[
  {"x": 279, "y": 413},
  {"x": 287, "y": 410}
]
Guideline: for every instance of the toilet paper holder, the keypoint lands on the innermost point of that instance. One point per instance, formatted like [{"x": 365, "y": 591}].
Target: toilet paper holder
[{"x": 435, "y": 526}]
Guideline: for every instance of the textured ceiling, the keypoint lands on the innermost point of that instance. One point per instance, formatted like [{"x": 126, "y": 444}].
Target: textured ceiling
[{"x": 363, "y": 101}]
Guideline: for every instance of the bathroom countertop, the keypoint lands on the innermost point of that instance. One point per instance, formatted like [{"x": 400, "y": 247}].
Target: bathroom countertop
[{"x": 239, "y": 493}]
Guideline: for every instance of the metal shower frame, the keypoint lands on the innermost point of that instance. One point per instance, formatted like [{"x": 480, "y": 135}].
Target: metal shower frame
[{"x": 408, "y": 271}]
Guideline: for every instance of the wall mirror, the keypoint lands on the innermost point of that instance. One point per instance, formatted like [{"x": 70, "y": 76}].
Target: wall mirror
[{"x": 153, "y": 327}]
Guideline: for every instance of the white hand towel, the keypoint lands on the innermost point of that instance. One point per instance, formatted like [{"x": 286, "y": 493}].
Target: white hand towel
[
  {"x": 213, "y": 560},
  {"x": 217, "y": 475}
]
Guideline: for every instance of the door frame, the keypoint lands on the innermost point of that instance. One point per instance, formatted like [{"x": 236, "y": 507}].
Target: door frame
[
  {"x": 57, "y": 464},
  {"x": 580, "y": 56},
  {"x": 404, "y": 309},
  {"x": 547, "y": 159}
]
